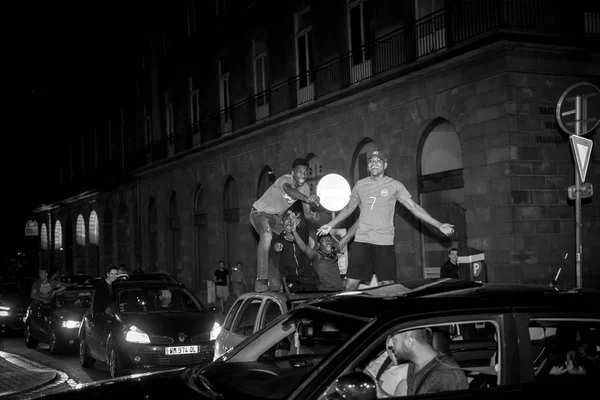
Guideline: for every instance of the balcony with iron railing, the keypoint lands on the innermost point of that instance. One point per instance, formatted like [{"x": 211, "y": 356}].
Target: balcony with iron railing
[{"x": 429, "y": 40}]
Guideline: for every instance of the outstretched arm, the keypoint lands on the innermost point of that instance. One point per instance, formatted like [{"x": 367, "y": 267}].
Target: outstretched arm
[
  {"x": 348, "y": 236},
  {"x": 423, "y": 215},
  {"x": 345, "y": 213},
  {"x": 310, "y": 253},
  {"x": 297, "y": 195}
]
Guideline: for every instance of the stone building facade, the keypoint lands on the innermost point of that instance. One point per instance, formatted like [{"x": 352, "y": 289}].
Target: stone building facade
[{"x": 470, "y": 131}]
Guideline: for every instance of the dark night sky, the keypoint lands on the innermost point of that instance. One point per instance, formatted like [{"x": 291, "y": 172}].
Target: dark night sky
[{"x": 60, "y": 56}]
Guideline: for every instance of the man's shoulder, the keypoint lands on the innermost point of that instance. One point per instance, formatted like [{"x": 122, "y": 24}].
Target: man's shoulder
[{"x": 285, "y": 178}]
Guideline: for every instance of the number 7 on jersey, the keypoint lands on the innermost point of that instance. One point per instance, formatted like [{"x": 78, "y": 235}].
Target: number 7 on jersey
[{"x": 374, "y": 199}]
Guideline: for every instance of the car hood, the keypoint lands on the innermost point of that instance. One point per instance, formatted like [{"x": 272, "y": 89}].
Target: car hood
[
  {"x": 172, "y": 323},
  {"x": 75, "y": 314}
]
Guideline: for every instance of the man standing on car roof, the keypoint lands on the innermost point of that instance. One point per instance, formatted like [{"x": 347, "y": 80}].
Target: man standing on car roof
[
  {"x": 44, "y": 288},
  {"x": 266, "y": 213},
  {"x": 373, "y": 249}
]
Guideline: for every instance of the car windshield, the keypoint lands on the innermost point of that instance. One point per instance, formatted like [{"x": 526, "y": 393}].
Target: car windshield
[
  {"x": 157, "y": 299},
  {"x": 76, "y": 279},
  {"x": 276, "y": 360},
  {"x": 74, "y": 299}
]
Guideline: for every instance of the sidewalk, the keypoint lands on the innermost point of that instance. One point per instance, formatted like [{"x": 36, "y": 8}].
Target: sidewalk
[{"x": 19, "y": 376}]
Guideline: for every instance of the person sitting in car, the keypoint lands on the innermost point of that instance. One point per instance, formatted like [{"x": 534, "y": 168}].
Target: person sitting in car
[
  {"x": 165, "y": 298},
  {"x": 429, "y": 371},
  {"x": 584, "y": 359}
]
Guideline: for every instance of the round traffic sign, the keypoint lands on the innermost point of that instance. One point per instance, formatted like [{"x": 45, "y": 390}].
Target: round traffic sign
[
  {"x": 578, "y": 109},
  {"x": 334, "y": 192}
]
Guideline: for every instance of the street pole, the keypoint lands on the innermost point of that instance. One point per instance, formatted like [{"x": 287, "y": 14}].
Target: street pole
[{"x": 578, "y": 199}]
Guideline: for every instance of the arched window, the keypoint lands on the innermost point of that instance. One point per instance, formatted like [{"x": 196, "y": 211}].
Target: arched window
[
  {"x": 174, "y": 226},
  {"x": 231, "y": 217},
  {"x": 123, "y": 236},
  {"x": 265, "y": 180},
  {"x": 93, "y": 228},
  {"x": 315, "y": 172},
  {"x": 80, "y": 231},
  {"x": 44, "y": 237},
  {"x": 201, "y": 224},
  {"x": 58, "y": 237},
  {"x": 359, "y": 160},
  {"x": 441, "y": 192},
  {"x": 152, "y": 237}
]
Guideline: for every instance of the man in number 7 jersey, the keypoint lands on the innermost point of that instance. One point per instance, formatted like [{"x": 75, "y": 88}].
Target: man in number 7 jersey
[{"x": 373, "y": 250}]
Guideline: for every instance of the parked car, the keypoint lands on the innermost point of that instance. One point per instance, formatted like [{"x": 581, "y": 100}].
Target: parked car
[
  {"x": 142, "y": 332},
  {"x": 14, "y": 299},
  {"x": 73, "y": 279},
  {"x": 254, "y": 310},
  {"x": 503, "y": 336},
  {"x": 57, "y": 323},
  {"x": 149, "y": 276}
]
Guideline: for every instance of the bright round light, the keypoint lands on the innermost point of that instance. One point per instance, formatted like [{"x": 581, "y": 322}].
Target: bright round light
[{"x": 334, "y": 192}]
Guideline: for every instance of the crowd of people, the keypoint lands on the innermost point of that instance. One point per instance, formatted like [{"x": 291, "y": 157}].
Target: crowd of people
[{"x": 301, "y": 266}]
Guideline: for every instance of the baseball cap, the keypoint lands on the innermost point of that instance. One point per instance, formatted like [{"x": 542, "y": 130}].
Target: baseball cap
[{"x": 377, "y": 153}]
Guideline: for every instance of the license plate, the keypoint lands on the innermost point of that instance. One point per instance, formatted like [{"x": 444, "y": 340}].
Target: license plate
[{"x": 170, "y": 351}]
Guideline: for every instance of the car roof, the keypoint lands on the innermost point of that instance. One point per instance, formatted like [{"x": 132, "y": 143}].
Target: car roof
[
  {"x": 289, "y": 297},
  {"x": 150, "y": 283},
  {"x": 450, "y": 295},
  {"x": 80, "y": 288}
]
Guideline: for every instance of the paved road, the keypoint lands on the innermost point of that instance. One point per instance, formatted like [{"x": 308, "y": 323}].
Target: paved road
[{"x": 67, "y": 362}]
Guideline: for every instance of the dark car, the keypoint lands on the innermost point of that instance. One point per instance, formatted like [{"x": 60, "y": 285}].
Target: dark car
[
  {"x": 57, "y": 323},
  {"x": 14, "y": 299},
  {"x": 142, "y": 332},
  {"x": 505, "y": 338},
  {"x": 73, "y": 279}
]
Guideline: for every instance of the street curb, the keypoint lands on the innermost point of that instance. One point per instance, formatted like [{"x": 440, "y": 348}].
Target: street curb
[{"x": 31, "y": 366}]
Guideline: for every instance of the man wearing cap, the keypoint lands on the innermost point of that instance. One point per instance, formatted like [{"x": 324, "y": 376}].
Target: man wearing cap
[
  {"x": 266, "y": 213},
  {"x": 373, "y": 251}
]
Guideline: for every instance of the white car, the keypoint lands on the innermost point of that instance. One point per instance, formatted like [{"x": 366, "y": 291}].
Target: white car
[{"x": 252, "y": 311}]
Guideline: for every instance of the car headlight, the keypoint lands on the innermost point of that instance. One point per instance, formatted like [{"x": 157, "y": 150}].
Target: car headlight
[
  {"x": 71, "y": 324},
  {"x": 214, "y": 332},
  {"x": 135, "y": 335}
]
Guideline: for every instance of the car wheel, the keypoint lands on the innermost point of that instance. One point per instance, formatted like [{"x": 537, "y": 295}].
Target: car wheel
[
  {"x": 29, "y": 340},
  {"x": 114, "y": 364},
  {"x": 85, "y": 358},
  {"x": 53, "y": 342}
]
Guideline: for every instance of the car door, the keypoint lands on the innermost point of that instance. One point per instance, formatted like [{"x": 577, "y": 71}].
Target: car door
[
  {"x": 245, "y": 321},
  {"x": 271, "y": 310},
  {"x": 221, "y": 344},
  {"x": 99, "y": 332}
]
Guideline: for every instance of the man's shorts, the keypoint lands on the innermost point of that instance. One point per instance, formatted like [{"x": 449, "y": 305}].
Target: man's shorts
[
  {"x": 222, "y": 292},
  {"x": 367, "y": 259}
]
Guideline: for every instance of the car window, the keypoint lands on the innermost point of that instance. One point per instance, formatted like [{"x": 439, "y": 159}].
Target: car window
[
  {"x": 564, "y": 349},
  {"x": 271, "y": 312},
  {"x": 246, "y": 317},
  {"x": 467, "y": 349},
  {"x": 74, "y": 299},
  {"x": 157, "y": 299},
  {"x": 231, "y": 314}
]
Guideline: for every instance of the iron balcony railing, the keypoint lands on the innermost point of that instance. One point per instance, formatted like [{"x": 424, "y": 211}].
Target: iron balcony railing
[{"x": 447, "y": 28}]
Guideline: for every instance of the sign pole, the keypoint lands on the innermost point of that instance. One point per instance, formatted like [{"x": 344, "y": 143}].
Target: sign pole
[{"x": 578, "y": 199}]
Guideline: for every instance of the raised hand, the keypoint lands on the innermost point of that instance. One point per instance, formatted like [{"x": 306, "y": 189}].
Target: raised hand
[
  {"x": 313, "y": 199},
  {"x": 447, "y": 229},
  {"x": 324, "y": 230}
]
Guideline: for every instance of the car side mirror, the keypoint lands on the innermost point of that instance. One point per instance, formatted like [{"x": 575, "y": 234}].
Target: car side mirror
[{"x": 355, "y": 386}]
